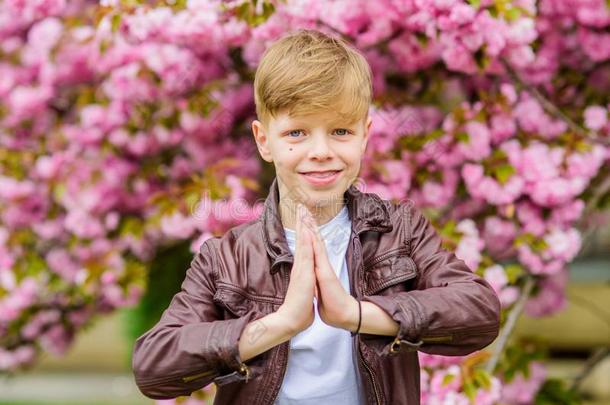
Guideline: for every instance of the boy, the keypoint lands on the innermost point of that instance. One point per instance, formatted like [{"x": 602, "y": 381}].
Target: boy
[{"x": 328, "y": 296}]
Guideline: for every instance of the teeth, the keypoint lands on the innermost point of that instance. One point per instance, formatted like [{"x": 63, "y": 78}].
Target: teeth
[{"x": 321, "y": 175}]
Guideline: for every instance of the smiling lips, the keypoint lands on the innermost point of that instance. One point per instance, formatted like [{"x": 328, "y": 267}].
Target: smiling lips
[
  {"x": 321, "y": 177},
  {"x": 323, "y": 174}
]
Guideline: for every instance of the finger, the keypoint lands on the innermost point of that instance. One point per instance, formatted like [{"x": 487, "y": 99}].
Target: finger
[
  {"x": 308, "y": 220},
  {"x": 323, "y": 267},
  {"x": 306, "y": 244},
  {"x": 299, "y": 234}
]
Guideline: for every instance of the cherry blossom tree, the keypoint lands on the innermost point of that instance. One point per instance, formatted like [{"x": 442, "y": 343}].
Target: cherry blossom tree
[{"x": 124, "y": 128}]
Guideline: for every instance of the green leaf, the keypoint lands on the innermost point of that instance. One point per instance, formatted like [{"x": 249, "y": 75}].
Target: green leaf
[
  {"x": 192, "y": 199},
  {"x": 482, "y": 378},
  {"x": 504, "y": 172},
  {"x": 512, "y": 13},
  {"x": 448, "y": 378},
  {"x": 462, "y": 137},
  {"x": 513, "y": 272},
  {"x": 470, "y": 390},
  {"x": 58, "y": 191},
  {"x": 421, "y": 38},
  {"x": 555, "y": 392},
  {"x": 481, "y": 58},
  {"x": 116, "y": 22}
]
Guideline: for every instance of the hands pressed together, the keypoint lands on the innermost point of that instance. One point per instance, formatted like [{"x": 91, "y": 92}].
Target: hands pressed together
[{"x": 312, "y": 276}]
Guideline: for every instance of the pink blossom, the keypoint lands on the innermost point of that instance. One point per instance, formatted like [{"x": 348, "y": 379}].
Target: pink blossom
[
  {"x": 490, "y": 189},
  {"x": 83, "y": 224},
  {"x": 491, "y": 395},
  {"x": 7, "y": 279},
  {"x": 459, "y": 59},
  {"x": 498, "y": 234},
  {"x": 509, "y": 296},
  {"x": 509, "y": 92},
  {"x": 587, "y": 164},
  {"x": 19, "y": 299},
  {"x": 56, "y": 339},
  {"x": 478, "y": 145},
  {"x": 177, "y": 225},
  {"x": 551, "y": 296},
  {"x": 80, "y": 316},
  {"x": 435, "y": 194},
  {"x": 536, "y": 264},
  {"x": 563, "y": 244},
  {"x": 567, "y": 213},
  {"x": 435, "y": 361},
  {"x": 532, "y": 118},
  {"x": 596, "y": 45},
  {"x": 502, "y": 127},
  {"x": 530, "y": 217},
  {"x": 42, "y": 37},
  {"x": 13, "y": 189},
  {"x": 521, "y": 390},
  {"x": 556, "y": 191},
  {"x": 439, "y": 385},
  {"x": 596, "y": 117},
  {"x": 26, "y": 102},
  {"x": 60, "y": 262},
  {"x": 48, "y": 167},
  {"x": 470, "y": 246},
  {"x": 496, "y": 277}
]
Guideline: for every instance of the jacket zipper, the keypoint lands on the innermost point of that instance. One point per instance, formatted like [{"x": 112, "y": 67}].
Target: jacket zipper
[
  {"x": 360, "y": 356},
  {"x": 153, "y": 381},
  {"x": 196, "y": 376},
  {"x": 372, "y": 377}
]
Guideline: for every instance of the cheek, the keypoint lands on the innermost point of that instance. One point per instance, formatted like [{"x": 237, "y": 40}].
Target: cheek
[
  {"x": 289, "y": 159},
  {"x": 352, "y": 155}
]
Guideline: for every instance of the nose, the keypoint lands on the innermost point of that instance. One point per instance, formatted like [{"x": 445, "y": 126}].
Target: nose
[{"x": 320, "y": 149}]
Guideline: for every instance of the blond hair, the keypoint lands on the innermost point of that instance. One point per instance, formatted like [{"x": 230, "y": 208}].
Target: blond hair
[{"x": 307, "y": 72}]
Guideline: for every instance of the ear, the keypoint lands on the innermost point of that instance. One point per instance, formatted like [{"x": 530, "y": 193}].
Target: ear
[
  {"x": 262, "y": 141},
  {"x": 365, "y": 139}
]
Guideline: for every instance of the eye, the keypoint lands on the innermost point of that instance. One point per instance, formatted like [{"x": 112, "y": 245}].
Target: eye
[
  {"x": 292, "y": 132},
  {"x": 347, "y": 132}
]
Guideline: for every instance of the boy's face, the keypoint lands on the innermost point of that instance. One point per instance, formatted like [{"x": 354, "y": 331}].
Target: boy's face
[{"x": 320, "y": 142}]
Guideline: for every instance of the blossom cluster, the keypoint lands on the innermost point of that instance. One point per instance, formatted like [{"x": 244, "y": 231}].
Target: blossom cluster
[{"x": 122, "y": 130}]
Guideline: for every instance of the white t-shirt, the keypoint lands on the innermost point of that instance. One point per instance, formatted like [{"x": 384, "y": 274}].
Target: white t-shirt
[{"x": 321, "y": 369}]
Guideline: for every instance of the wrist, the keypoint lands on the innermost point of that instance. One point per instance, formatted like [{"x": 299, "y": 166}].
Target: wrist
[
  {"x": 286, "y": 321},
  {"x": 353, "y": 315}
]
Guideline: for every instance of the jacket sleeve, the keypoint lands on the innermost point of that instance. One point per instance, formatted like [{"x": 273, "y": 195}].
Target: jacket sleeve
[
  {"x": 190, "y": 346},
  {"x": 450, "y": 311}
]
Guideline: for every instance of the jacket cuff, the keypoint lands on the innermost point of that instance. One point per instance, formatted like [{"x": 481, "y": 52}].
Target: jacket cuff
[
  {"x": 232, "y": 368},
  {"x": 409, "y": 332}
]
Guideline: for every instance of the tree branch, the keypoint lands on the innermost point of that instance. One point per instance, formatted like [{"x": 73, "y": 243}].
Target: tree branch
[
  {"x": 510, "y": 324},
  {"x": 551, "y": 108},
  {"x": 596, "y": 358}
]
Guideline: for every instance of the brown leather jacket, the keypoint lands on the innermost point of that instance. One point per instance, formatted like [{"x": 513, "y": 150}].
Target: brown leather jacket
[{"x": 394, "y": 259}]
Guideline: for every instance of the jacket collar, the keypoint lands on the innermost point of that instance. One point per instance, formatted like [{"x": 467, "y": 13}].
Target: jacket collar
[{"x": 367, "y": 212}]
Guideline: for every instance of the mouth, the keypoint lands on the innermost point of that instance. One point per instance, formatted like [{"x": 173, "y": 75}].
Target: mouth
[
  {"x": 320, "y": 178},
  {"x": 321, "y": 174}
]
